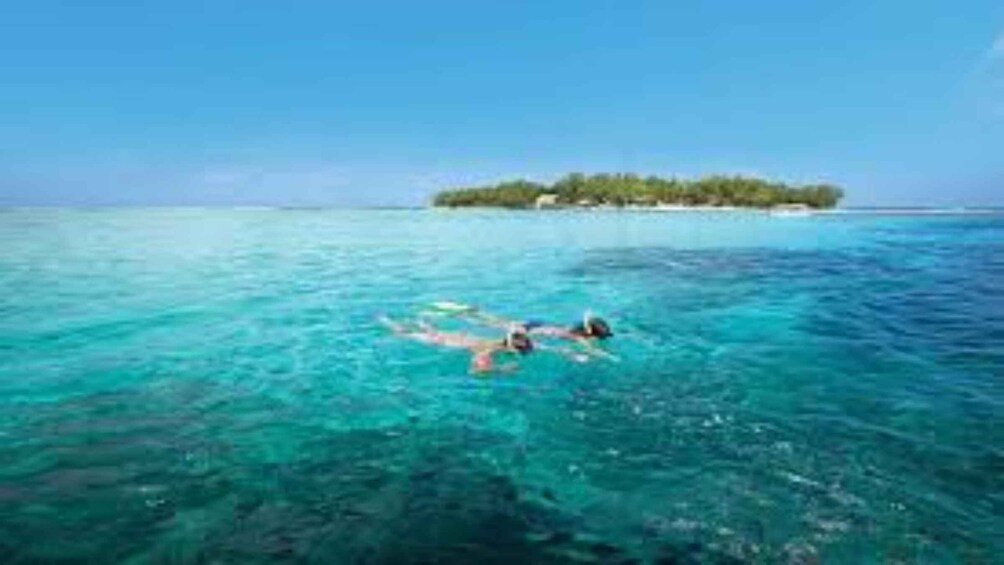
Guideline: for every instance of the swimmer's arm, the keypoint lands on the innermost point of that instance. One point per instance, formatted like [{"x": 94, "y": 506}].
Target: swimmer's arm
[
  {"x": 565, "y": 352},
  {"x": 592, "y": 349},
  {"x": 483, "y": 364}
]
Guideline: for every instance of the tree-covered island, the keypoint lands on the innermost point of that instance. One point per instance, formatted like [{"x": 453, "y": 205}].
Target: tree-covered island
[{"x": 579, "y": 190}]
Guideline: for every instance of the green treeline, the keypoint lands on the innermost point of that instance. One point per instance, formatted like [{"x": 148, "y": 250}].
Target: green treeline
[{"x": 578, "y": 189}]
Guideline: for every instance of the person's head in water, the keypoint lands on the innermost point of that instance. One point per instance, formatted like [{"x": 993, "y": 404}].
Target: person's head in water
[
  {"x": 517, "y": 340},
  {"x": 592, "y": 327}
]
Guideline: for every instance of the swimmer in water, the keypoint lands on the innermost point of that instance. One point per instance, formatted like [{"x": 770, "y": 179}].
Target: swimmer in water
[
  {"x": 590, "y": 328},
  {"x": 585, "y": 333},
  {"x": 516, "y": 340}
]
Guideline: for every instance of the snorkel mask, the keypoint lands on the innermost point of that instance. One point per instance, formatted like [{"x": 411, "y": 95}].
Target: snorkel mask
[
  {"x": 517, "y": 340},
  {"x": 593, "y": 326}
]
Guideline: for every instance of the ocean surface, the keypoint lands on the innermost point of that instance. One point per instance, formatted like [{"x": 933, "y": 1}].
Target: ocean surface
[{"x": 211, "y": 386}]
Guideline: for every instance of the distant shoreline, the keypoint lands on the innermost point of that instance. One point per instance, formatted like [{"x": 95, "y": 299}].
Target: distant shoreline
[
  {"x": 848, "y": 211},
  {"x": 620, "y": 190}
]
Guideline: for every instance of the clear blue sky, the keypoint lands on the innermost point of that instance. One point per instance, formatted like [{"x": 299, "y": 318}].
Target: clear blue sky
[{"x": 363, "y": 103}]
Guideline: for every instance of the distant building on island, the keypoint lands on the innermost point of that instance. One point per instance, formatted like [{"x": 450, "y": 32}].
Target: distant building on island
[
  {"x": 546, "y": 201},
  {"x": 791, "y": 210}
]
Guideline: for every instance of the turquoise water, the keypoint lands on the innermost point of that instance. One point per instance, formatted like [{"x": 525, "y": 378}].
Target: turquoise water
[{"x": 209, "y": 386}]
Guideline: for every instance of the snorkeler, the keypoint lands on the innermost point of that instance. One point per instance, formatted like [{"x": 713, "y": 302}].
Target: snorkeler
[
  {"x": 516, "y": 340},
  {"x": 584, "y": 333},
  {"x": 591, "y": 327}
]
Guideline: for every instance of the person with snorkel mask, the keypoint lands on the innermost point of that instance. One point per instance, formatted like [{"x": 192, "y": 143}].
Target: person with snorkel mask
[
  {"x": 482, "y": 350},
  {"x": 585, "y": 333},
  {"x": 591, "y": 327}
]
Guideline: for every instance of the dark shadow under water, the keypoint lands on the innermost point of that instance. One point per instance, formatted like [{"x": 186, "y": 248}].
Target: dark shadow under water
[{"x": 158, "y": 474}]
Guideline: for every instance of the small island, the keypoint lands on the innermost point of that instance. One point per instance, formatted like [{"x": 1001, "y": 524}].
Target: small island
[{"x": 578, "y": 190}]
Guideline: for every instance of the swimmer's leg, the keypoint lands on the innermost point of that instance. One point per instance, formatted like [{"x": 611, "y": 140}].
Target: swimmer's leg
[
  {"x": 418, "y": 333},
  {"x": 476, "y": 315}
]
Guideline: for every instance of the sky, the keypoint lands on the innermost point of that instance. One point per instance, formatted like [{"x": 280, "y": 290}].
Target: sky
[{"x": 900, "y": 102}]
